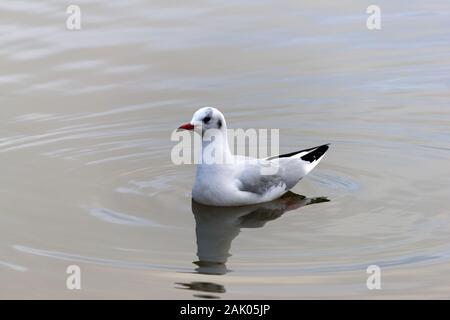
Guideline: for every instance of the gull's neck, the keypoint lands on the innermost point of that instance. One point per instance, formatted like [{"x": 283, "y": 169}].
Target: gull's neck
[{"x": 215, "y": 148}]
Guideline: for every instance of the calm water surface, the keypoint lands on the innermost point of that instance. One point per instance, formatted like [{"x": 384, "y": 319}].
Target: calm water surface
[{"x": 86, "y": 119}]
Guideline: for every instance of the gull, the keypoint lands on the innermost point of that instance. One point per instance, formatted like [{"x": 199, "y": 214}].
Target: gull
[{"x": 224, "y": 179}]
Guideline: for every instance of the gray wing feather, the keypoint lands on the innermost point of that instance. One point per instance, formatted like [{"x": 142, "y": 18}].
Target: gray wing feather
[{"x": 252, "y": 180}]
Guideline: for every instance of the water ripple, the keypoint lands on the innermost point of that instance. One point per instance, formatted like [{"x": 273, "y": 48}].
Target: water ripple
[
  {"x": 13, "y": 266},
  {"x": 98, "y": 261},
  {"x": 115, "y": 217}
]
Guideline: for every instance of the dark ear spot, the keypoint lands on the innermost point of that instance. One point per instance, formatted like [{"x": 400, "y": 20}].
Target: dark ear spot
[{"x": 219, "y": 123}]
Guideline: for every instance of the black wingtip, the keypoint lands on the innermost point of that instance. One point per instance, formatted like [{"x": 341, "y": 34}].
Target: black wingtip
[
  {"x": 316, "y": 153},
  {"x": 323, "y": 148}
]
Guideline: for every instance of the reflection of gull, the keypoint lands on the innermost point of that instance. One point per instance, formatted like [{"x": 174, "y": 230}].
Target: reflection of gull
[
  {"x": 216, "y": 227},
  {"x": 205, "y": 287}
]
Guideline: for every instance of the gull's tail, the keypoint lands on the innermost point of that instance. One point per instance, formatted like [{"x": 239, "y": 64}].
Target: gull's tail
[
  {"x": 309, "y": 155},
  {"x": 309, "y": 158}
]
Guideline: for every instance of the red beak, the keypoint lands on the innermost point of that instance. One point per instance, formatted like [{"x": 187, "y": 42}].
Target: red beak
[{"x": 186, "y": 126}]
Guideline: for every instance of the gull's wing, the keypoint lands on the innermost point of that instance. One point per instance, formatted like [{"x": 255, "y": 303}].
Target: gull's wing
[
  {"x": 280, "y": 173},
  {"x": 260, "y": 177}
]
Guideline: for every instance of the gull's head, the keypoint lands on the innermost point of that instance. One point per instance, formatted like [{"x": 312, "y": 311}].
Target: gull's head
[{"x": 206, "y": 118}]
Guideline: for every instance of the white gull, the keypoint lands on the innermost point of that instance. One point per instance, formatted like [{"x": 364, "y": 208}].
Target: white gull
[{"x": 238, "y": 180}]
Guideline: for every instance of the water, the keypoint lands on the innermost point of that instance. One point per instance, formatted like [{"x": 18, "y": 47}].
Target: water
[{"x": 86, "y": 118}]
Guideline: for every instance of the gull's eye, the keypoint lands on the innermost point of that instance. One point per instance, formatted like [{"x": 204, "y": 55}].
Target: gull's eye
[{"x": 206, "y": 119}]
